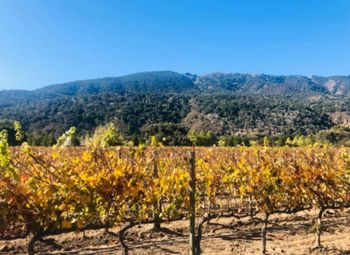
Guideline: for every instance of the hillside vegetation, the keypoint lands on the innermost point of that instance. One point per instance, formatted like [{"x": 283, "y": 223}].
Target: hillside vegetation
[{"x": 232, "y": 105}]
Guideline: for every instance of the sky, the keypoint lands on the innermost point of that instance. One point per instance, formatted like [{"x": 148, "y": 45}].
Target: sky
[{"x": 46, "y": 42}]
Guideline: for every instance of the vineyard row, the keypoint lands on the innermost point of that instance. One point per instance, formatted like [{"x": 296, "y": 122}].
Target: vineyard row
[{"x": 51, "y": 191}]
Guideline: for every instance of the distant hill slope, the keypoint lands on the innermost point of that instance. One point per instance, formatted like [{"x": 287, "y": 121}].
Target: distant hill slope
[
  {"x": 226, "y": 104},
  {"x": 172, "y": 82},
  {"x": 162, "y": 81},
  {"x": 154, "y": 82},
  {"x": 261, "y": 84}
]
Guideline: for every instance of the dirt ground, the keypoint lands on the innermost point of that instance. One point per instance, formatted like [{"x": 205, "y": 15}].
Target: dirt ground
[{"x": 286, "y": 235}]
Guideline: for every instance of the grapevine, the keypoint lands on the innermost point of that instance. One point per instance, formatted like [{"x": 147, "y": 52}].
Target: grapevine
[{"x": 62, "y": 189}]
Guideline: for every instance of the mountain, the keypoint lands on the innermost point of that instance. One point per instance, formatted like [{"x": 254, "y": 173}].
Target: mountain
[
  {"x": 162, "y": 81},
  {"x": 335, "y": 85},
  {"x": 225, "y": 104},
  {"x": 146, "y": 82},
  {"x": 172, "y": 82},
  {"x": 261, "y": 84}
]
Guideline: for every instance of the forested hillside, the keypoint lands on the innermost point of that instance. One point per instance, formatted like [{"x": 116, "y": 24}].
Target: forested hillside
[{"x": 172, "y": 105}]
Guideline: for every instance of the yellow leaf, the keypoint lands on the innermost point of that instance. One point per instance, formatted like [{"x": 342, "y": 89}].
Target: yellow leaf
[
  {"x": 250, "y": 189},
  {"x": 54, "y": 155},
  {"x": 86, "y": 156},
  {"x": 66, "y": 224}
]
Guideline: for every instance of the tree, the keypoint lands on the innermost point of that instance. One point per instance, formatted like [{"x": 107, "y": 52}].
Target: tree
[
  {"x": 336, "y": 135},
  {"x": 13, "y": 136},
  {"x": 170, "y": 134},
  {"x": 266, "y": 142},
  {"x": 202, "y": 138},
  {"x": 105, "y": 136},
  {"x": 67, "y": 139}
]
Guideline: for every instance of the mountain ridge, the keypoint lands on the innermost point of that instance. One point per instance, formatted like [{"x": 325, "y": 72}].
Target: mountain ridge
[
  {"x": 170, "y": 81},
  {"x": 226, "y": 104}
]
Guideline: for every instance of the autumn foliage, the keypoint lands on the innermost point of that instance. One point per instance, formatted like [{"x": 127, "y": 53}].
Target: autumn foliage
[{"x": 57, "y": 190}]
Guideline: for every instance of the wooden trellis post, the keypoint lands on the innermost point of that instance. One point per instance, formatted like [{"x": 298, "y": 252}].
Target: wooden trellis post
[{"x": 192, "y": 203}]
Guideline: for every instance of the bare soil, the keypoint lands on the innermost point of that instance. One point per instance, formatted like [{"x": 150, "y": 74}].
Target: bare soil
[{"x": 287, "y": 234}]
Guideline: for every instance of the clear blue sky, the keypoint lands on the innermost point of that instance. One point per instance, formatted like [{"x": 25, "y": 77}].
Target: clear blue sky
[{"x": 47, "y": 41}]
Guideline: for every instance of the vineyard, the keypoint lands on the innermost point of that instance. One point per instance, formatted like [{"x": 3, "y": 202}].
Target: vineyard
[{"x": 52, "y": 191}]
